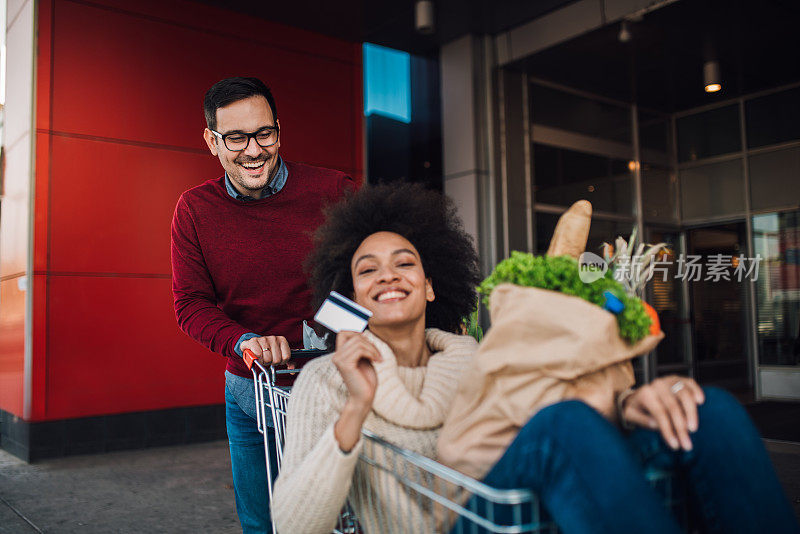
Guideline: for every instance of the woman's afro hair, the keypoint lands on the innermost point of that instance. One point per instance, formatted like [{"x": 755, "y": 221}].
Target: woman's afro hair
[{"x": 425, "y": 218}]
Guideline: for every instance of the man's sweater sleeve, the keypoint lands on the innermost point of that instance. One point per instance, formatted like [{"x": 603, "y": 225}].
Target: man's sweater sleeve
[
  {"x": 193, "y": 290},
  {"x": 316, "y": 475}
]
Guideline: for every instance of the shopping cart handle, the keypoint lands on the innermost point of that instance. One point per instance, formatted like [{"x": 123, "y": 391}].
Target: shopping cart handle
[{"x": 249, "y": 357}]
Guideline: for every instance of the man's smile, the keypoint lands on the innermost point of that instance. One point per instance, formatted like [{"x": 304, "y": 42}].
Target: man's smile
[{"x": 253, "y": 167}]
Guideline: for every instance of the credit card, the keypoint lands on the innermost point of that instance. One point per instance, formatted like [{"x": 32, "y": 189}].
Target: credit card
[{"x": 339, "y": 313}]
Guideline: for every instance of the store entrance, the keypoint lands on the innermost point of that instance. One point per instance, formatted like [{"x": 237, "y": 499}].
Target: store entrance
[{"x": 719, "y": 313}]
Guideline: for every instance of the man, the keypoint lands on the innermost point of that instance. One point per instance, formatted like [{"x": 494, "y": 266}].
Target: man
[{"x": 238, "y": 245}]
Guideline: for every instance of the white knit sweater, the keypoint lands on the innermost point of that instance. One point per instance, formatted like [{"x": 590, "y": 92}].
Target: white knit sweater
[{"x": 409, "y": 408}]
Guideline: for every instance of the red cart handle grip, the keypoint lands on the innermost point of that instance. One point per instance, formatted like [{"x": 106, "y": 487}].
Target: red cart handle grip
[{"x": 249, "y": 358}]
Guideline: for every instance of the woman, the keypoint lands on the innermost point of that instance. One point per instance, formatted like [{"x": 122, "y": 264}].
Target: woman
[{"x": 400, "y": 252}]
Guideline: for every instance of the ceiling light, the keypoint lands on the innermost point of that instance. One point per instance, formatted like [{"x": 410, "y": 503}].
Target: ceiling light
[
  {"x": 711, "y": 77},
  {"x": 624, "y": 34},
  {"x": 423, "y": 16}
]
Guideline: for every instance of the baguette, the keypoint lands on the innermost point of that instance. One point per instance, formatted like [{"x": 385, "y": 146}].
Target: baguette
[{"x": 572, "y": 231}]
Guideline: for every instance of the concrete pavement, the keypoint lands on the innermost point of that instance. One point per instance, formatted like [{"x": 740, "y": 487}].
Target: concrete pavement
[
  {"x": 180, "y": 489},
  {"x": 168, "y": 489}
]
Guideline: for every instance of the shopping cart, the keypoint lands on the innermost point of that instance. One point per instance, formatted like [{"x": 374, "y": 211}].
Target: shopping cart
[{"x": 448, "y": 500}]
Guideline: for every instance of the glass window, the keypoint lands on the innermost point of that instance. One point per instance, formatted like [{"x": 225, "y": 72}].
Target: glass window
[
  {"x": 563, "y": 176},
  {"x": 773, "y": 118},
  {"x": 776, "y": 237},
  {"x": 387, "y": 82},
  {"x": 710, "y": 133},
  {"x": 712, "y": 190},
  {"x": 659, "y": 194},
  {"x": 567, "y": 111},
  {"x": 545, "y": 225},
  {"x": 653, "y": 132},
  {"x": 403, "y": 117},
  {"x": 775, "y": 179}
]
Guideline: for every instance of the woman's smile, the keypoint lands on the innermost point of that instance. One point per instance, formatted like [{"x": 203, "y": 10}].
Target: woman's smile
[{"x": 391, "y": 295}]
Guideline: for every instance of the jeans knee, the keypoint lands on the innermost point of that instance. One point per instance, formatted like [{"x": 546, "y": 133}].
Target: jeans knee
[
  {"x": 719, "y": 404},
  {"x": 718, "y": 395},
  {"x": 721, "y": 413},
  {"x": 565, "y": 417}
]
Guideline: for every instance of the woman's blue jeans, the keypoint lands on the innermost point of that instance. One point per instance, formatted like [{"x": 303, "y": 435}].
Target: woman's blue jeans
[
  {"x": 248, "y": 460},
  {"x": 590, "y": 476}
]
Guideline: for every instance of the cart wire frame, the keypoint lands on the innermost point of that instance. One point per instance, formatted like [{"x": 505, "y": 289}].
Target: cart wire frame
[{"x": 506, "y": 511}]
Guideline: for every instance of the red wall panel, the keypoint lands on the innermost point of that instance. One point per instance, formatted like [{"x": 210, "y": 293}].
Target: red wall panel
[
  {"x": 41, "y": 213},
  {"x": 227, "y": 24},
  {"x": 119, "y": 117},
  {"x": 116, "y": 348},
  {"x": 43, "y": 62},
  {"x": 39, "y": 348},
  {"x": 148, "y": 65},
  {"x": 12, "y": 346},
  {"x": 112, "y": 204}
]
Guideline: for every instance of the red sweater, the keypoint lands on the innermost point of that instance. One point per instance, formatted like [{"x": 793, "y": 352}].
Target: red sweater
[{"x": 237, "y": 266}]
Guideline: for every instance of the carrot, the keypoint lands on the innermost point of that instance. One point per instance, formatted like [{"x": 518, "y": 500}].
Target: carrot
[{"x": 655, "y": 324}]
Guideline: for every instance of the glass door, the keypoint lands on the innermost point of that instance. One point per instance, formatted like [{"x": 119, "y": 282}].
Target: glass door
[{"x": 712, "y": 268}]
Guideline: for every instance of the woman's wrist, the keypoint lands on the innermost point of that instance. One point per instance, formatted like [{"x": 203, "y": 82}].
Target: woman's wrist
[
  {"x": 347, "y": 429},
  {"x": 358, "y": 406},
  {"x": 620, "y": 401}
]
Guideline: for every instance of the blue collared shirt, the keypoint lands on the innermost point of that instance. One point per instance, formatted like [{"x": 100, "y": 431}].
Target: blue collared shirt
[{"x": 276, "y": 185}]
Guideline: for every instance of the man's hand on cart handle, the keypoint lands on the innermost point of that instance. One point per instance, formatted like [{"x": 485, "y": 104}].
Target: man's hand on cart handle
[{"x": 268, "y": 350}]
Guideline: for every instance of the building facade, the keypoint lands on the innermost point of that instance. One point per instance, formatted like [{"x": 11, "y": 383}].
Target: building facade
[
  {"x": 567, "y": 107},
  {"x": 102, "y": 133}
]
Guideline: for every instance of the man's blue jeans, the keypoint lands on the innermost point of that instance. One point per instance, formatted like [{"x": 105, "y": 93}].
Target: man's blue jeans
[
  {"x": 248, "y": 460},
  {"x": 590, "y": 476}
]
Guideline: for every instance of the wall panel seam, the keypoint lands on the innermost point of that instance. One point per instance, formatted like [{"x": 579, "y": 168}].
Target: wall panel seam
[
  {"x": 103, "y": 274},
  {"x": 158, "y": 146},
  {"x": 115, "y": 140}
]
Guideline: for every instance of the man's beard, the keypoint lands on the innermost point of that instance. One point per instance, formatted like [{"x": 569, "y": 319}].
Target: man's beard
[{"x": 245, "y": 181}]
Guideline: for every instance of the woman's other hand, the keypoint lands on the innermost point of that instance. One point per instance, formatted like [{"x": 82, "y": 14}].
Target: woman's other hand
[
  {"x": 668, "y": 404},
  {"x": 353, "y": 359}
]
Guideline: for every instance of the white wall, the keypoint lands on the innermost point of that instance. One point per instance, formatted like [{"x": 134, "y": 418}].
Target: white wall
[{"x": 16, "y": 202}]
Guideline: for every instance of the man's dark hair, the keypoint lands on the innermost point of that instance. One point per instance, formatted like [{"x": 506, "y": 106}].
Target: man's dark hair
[
  {"x": 231, "y": 90},
  {"x": 427, "y": 219}
]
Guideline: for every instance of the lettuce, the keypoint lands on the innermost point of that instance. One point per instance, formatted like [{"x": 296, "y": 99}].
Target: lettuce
[{"x": 560, "y": 273}]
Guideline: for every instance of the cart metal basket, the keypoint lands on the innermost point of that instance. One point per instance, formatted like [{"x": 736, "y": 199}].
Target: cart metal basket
[{"x": 446, "y": 500}]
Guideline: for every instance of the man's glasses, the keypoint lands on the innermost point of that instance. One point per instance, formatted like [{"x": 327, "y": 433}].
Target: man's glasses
[{"x": 238, "y": 141}]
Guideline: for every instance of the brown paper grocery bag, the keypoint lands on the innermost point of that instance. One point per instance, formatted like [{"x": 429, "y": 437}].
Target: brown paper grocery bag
[{"x": 543, "y": 347}]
